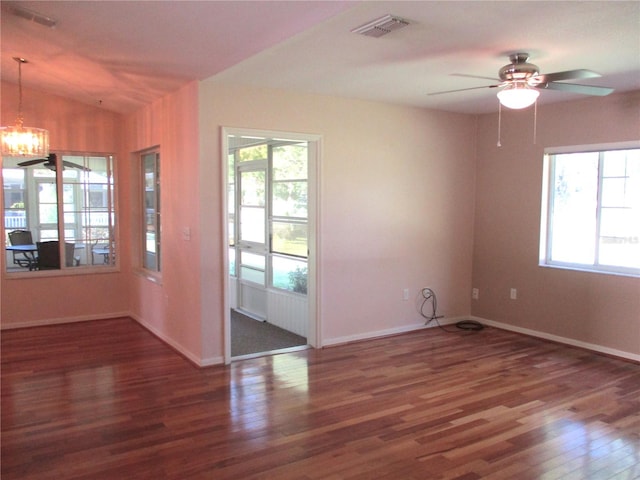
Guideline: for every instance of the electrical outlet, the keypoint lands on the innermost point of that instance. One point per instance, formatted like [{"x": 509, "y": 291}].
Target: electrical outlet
[
  {"x": 475, "y": 293},
  {"x": 405, "y": 294},
  {"x": 513, "y": 294}
]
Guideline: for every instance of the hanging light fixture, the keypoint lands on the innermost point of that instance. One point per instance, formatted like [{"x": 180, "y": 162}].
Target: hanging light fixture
[
  {"x": 518, "y": 95},
  {"x": 21, "y": 141}
]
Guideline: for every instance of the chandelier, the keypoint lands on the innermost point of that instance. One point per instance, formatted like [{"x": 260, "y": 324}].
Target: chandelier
[{"x": 21, "y": 141}]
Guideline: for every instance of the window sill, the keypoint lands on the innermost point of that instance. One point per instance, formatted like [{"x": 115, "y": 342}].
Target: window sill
[
  {"x": 586, "y": 269},
  {"x": 153, "y": 277},
  {"x": 66, "y": 272}
]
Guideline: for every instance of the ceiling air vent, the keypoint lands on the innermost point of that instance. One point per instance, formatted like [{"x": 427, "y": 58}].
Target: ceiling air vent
[
  {"x": 31, "y": 16},
  {"x": 381, "y": 26}
]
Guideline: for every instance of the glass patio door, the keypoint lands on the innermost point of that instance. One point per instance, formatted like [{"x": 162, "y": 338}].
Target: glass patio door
[{"x": 252, "y": 248}]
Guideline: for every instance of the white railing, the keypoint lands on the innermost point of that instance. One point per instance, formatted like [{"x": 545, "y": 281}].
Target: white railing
[
  {"x": 12, "y": 223},
  {"x": 20, "y": 222}
]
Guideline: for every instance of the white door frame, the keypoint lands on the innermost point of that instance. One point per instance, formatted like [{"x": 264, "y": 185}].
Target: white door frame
[
  {"x": 251, "y": 246},
  {"x": 313, "y": 281}
]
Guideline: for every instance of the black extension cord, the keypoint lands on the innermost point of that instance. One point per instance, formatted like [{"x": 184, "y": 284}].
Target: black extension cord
[
  {"x": 470, "y": 325},
  {"x": 428, "y": 295}
]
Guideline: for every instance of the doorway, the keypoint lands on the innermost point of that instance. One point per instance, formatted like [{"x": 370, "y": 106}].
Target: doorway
[{"x": 270, "y": 268}]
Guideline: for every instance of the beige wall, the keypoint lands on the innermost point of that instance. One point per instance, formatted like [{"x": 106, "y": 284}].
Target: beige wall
[
  {"x": 589, "y": 308},
  {"x": 30, "y": 301},
  {"x": 396, "y": 205}
]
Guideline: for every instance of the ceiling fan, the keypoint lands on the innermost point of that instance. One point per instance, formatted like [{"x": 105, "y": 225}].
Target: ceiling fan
[
  {"x": 50, "y": 163},
  {"x": 520, "y": 79}
]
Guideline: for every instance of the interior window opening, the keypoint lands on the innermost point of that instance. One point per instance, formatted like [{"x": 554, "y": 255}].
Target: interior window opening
[{"x": 59, "y": 212}]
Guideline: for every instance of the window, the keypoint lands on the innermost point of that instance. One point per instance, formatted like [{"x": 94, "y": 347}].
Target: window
[
  {"x": 150, "y": 164},
  {"x": 77, "y": 188},
  {"x": 289, "y": 242},
  {"x": 593, "y": 210}
]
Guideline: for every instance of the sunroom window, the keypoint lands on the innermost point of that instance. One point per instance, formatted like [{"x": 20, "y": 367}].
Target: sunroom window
[
  {"x": 289, "y": 222},
  {"x": 268, "y": 213},
  {"x": 77, "y": 188}
]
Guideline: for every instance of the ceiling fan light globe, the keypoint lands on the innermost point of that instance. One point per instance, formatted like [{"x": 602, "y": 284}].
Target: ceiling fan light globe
[{"x": 517, "y": 96}]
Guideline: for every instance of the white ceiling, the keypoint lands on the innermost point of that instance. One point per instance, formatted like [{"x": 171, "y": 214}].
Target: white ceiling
[{"x": 123, "y": 54}]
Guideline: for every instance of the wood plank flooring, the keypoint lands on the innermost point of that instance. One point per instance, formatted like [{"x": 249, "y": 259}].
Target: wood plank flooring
[{"x": 107, "y": 400}]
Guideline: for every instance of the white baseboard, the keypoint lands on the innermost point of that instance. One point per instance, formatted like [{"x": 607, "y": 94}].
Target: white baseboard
[
  {"x": 555, "y": 338},
  {"x": 387, "y": 332},
  {"x": 58, "y": 321},
  {"x": 211, "y": 361},
  {"x": 206, "y": 362},
  {"x": 491, "y": 323}
]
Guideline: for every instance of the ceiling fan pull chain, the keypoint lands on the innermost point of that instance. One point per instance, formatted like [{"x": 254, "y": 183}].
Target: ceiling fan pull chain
[{"x": 499, "y": 122}]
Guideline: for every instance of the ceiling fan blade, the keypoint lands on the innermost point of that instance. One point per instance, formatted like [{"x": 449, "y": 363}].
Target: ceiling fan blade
[
  {"x": 75, "y": 165},
  {"x": 464, "y": 89},
  {"x": 568, "y": 75},
  {"x": 474, "y": 76},
  {"x": 28, "y": 163},
  {"x": 576, "y": 88}
]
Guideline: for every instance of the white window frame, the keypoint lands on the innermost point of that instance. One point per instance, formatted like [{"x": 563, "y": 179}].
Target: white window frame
[
  {"x": 292, "y": 220},
  {"x": 546, "y": 232},
  {"x": 266, "y": 248},
  {"x": 157, "y": 268},
  {"x": 82, "y": 263}
]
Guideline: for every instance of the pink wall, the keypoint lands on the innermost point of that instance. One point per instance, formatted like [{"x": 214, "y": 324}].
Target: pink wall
[
  {"x": 396, "y": 203},
  {"x": 170, "y": 307},
  {"x": 591, "y": 308},
  {"x": 31, "y": 300}
]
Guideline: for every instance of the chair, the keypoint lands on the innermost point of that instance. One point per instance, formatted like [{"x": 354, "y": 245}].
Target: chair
[
  {"x": 104, "y": 252},
  {"x": 49, "y": 255},
  {"x": 22, "y": 237}
]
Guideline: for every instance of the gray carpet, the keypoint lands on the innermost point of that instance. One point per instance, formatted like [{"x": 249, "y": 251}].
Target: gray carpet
[{"x": 250, "y": 336}]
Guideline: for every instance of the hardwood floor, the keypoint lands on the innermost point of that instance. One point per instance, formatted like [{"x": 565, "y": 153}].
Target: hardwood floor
[{"x": 107, "y": 400}]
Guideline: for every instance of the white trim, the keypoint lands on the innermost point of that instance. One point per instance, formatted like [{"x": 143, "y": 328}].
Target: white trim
[
  {"x": 491, "y": 323},
  {"x": 210, "y": 362},
  {"x": 596, "y": 147},
  {"x": 176, "y": 346},
  {"x": 205, "y": 362},
  {"x": 224, "y": 188},
  {"x": 249, "y": 356},
  {"x": 548, "y": 209},
  {"x": 314, "y": 177},
  {"x": 57, "y": 321},
  {"x": 634, "y": 273},
  {"x": 555, "y": 338},
  {"x": 389, "y": 332},
  {"x": 63, "y": 271}
]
